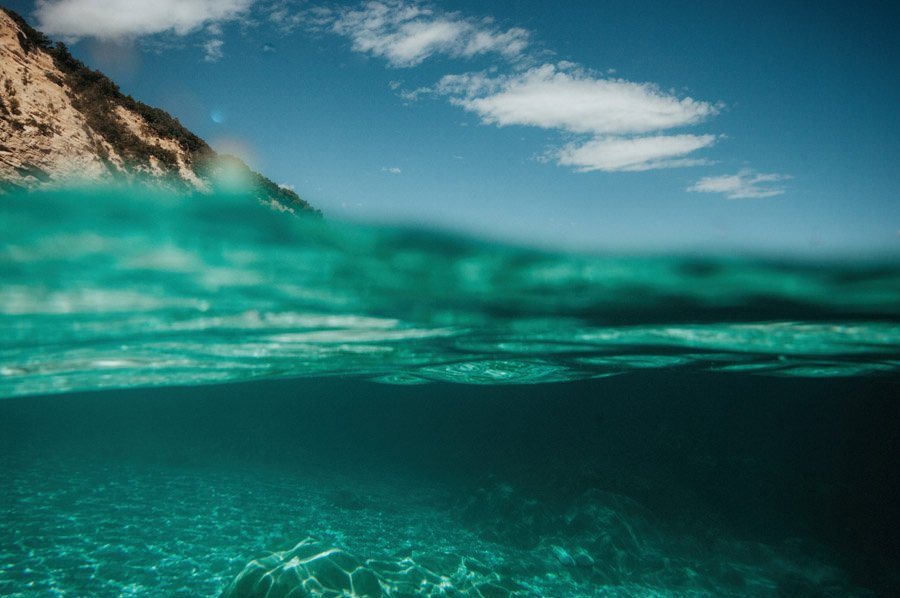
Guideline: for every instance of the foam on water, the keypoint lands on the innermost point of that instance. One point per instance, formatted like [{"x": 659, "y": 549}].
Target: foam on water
[{"x": 127, "y": 287}]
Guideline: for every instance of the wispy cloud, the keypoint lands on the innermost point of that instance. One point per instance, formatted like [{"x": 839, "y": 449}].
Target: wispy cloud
[
  {"x": 212, "y": 50},
  {"x": 408, "y": 33},
  {"x": 287, "y": 15},
  {"x": 619, "y": 125},
  {"x": 565, "y": 97},
  {"x": 110, "y": 19},
  {"x": 391, "y": 169},
  {"x": 632, "y": 154},
  {"x": 745, "y": 184},
  {"x": 623, "y": 118}
]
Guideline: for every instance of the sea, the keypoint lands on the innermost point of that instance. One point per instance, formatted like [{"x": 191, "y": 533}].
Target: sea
[{"x": 206, "y": 396}]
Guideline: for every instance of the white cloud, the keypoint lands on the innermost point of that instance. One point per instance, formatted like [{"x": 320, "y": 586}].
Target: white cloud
[
  {"x": 623, "y": 119},
  {"x": 633, "y": 153},
  {"x": 391, "y": 169},
  {"x": 563, "y": 97},
  {"x": 287, "y": 15},
  {"x": 744, "y": 184},
  {"x": 212, "y": 50},
  {"x": 407, "y": 33},
  {"x": 110, "y": 19}
]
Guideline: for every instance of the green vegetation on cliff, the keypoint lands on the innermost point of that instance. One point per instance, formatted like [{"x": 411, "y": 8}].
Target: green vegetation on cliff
[{"x": 96, "y": 96}]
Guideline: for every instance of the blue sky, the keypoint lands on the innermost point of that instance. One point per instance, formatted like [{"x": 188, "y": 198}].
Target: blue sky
[{"x": 766, "y": 127}]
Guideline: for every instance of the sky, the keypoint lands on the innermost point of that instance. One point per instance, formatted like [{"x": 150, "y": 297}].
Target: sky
[{"x": 606, "y": 125}]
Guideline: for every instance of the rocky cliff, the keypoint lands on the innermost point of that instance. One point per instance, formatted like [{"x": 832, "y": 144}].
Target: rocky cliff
[{"x": 61, "y": 122}]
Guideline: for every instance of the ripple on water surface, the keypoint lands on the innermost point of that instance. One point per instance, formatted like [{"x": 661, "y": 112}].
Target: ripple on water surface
[{"x": 127, "y": 287}]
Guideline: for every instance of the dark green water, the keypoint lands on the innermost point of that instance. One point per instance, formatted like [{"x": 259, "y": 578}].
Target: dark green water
[{"x": 191, "y": 385}]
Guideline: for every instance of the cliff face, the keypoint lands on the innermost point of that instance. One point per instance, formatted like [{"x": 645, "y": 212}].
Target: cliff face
[{"x": 63, "y": 122}]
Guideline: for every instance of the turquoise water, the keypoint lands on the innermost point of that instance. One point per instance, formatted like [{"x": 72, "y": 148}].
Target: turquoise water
[{"x": 205, "y": 395}]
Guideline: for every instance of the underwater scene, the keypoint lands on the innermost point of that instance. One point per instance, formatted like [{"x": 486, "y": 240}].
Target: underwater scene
[{"x": 204, "y": 396}]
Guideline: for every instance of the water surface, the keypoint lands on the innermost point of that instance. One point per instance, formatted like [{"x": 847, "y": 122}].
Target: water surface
[{"x": 194, "y": 383}]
